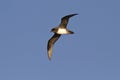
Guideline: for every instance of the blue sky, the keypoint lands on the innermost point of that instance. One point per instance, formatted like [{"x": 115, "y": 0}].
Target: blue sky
[{"x": 92, "y": 53}]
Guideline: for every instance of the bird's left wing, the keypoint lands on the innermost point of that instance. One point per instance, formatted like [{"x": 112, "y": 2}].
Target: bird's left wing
[{"x": 65, "y": 19}]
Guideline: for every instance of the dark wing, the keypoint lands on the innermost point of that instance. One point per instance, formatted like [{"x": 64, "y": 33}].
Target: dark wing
[
  {"x": 51, "y": 42},
  {"x": 65, "y": 19}
]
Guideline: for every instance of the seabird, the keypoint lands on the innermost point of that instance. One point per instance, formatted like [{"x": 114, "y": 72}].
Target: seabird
[{"x": 58, "y": 31}]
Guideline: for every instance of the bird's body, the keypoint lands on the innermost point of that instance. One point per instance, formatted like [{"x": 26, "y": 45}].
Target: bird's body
[
  {"x": 58, "y": 31},
  {"x": 62, "y": 31}
]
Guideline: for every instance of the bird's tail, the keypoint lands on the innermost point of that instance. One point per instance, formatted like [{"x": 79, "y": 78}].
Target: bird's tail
[{"x": 70, "y": 32}]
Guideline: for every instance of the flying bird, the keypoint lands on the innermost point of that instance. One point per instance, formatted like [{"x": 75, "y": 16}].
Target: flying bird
[{"x": 58, "y": 31}]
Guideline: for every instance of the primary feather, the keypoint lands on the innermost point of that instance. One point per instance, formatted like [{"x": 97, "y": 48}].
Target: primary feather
[{"x": 51, "y": 42}]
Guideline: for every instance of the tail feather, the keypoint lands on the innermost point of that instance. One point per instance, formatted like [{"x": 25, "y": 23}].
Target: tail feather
[{"x": 70, "y": 32}]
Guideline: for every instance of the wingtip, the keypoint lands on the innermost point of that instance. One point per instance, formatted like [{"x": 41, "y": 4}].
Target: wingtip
[
  {"x": 76, "y": 14},
  {"x": 49, "y": 55},
  {"x": 73, "y": 14},
  {"x": 49, "y": 58}
]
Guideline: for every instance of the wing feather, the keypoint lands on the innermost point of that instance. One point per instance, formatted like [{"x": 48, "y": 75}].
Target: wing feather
[
  {"x": 65, "y": 19},
  {"x": 51, "y": 42}
]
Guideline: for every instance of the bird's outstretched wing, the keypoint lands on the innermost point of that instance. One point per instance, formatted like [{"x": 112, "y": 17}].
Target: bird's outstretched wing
[
  {"x": 65, "y": 19},
  {"x": 50, "y": 44}
]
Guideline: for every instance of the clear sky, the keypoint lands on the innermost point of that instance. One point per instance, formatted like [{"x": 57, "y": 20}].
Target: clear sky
[{"x": 92, "y": 53}]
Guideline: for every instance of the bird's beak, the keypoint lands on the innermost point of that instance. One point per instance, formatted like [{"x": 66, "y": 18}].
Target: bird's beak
[{"x": 51, "y": 31}]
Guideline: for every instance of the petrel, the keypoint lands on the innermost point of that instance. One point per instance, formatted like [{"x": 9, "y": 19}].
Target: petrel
[{"x": 58, "y": 31}]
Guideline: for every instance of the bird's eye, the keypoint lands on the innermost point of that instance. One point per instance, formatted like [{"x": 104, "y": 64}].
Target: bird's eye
[{"x": 53, "y": 29}]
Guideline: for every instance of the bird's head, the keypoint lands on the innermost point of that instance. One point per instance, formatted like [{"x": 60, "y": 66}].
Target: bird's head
[{"x": 53, "y": 30}]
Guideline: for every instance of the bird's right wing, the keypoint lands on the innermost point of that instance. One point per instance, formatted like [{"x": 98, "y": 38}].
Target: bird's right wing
[{"x": 51, "y": 42}]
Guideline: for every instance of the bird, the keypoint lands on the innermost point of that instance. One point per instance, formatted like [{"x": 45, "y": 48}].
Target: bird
[{"x": 58, "y": 31}]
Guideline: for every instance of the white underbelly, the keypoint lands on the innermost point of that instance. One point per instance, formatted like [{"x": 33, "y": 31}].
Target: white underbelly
[{"x": 62, "y": 31}]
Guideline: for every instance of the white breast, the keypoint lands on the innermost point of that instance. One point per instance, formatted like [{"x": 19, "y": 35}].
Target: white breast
[{"x": 62, "y": 31}]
